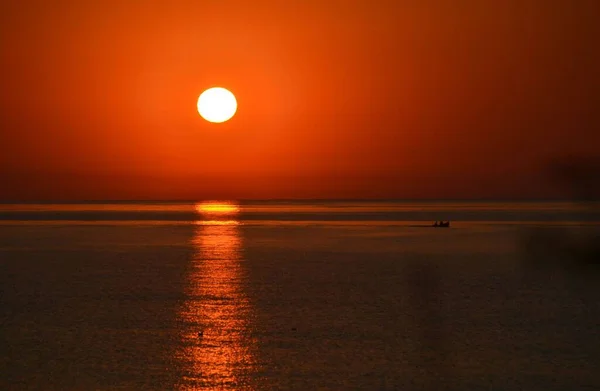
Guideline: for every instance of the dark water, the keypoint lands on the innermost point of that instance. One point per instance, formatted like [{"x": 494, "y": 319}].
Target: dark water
[{"x": 342, "y": 295}]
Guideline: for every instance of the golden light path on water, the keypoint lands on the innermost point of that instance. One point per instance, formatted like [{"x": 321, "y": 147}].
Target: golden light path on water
[{"x": 216, "y": 305}]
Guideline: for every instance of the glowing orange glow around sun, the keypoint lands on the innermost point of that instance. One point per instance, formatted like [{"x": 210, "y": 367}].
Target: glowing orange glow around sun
[{"x": 217, "y": 105}]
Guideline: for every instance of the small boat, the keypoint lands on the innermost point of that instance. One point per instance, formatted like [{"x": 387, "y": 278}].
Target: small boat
[{"x": 437, "y": 224}]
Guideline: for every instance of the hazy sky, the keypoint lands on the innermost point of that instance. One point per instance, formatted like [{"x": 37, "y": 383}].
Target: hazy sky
[{"x": 393, "y": 99}]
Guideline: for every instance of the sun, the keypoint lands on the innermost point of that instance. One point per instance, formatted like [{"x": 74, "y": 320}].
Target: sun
[{"x": 217, "y": 105}]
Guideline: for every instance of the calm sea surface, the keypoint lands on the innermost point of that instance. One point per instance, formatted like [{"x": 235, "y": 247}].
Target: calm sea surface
[{"x": 295, "y": 295}]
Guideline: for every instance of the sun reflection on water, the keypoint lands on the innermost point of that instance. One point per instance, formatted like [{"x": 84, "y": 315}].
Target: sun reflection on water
[
  {"x": 214, "y": 208},
  {"x": 216, "y": 305}
]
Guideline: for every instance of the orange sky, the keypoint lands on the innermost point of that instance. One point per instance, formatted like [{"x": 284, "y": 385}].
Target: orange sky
[{"x": 340, "y": 99}]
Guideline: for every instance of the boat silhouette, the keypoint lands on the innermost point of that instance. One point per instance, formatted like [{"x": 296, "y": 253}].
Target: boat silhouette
[{"x": 437, "y": 224}]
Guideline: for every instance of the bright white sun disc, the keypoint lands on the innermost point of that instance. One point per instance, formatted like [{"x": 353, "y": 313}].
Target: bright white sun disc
[{"x": 217, "y": 104}]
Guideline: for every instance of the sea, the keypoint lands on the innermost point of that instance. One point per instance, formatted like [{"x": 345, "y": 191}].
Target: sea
[{"x": 299, "y": 295}]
